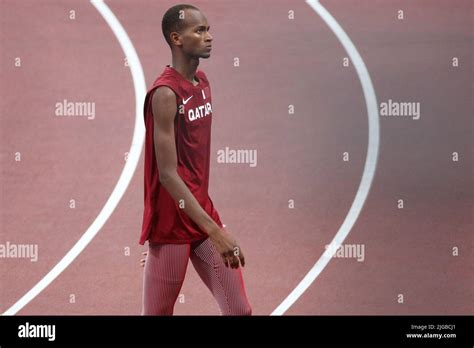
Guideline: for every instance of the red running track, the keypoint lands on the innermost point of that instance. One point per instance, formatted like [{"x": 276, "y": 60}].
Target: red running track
[{"x": 283, "y": 62}]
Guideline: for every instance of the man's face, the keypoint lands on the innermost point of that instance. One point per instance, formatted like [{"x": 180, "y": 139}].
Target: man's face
[{"x": 195, "y": 39}]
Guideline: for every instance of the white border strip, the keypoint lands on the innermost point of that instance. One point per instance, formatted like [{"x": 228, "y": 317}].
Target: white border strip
[
  {"x": 370, "y": 162},
  {"x": 127, "y": 172}
]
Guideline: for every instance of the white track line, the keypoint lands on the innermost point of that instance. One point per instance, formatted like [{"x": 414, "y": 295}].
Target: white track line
[
  {"x": 370, "y": 162},
  {"x": 128, "y": 170}
]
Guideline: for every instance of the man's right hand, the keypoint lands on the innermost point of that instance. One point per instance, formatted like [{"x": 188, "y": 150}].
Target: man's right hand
[
  {"x": 143, "y": 261},
  {"x": 227, "y": 247}
]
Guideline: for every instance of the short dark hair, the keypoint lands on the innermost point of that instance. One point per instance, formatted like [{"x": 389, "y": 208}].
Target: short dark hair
[{"x": 172, "y": 22}]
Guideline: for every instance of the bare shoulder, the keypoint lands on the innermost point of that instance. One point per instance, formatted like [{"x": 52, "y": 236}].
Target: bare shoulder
[
  {"x": 164, "y": 103},
  {"x": 164, "y": 94}
]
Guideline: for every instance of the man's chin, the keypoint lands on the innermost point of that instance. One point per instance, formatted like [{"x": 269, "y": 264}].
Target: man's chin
[{"x": 205, "y": 55}]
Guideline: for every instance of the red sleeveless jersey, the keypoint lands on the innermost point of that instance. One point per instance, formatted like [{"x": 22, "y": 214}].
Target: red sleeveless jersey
[{"x": 163, "y": 219}]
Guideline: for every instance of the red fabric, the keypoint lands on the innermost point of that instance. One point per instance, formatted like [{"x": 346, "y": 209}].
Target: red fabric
[
  {"x": 163, "y": 220},
  {"x": 165, "y": 270}
]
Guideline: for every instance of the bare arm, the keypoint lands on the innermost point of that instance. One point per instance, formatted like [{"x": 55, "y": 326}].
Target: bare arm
[{"x": 164, "y": 111}]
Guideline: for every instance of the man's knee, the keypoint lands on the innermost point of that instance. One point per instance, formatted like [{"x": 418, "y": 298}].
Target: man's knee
[
  {"x": 245, "y": 310},
  {"x": 158, "y": 309}
]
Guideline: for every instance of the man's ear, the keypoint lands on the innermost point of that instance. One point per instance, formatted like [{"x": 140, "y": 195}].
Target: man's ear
[{"x": 176, "y": 38}]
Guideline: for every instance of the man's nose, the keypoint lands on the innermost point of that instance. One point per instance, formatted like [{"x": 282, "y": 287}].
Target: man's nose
[{"x": 209, "y": 37}]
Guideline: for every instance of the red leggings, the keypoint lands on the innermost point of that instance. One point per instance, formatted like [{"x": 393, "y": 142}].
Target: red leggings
[{"x": 165, "y": 268}]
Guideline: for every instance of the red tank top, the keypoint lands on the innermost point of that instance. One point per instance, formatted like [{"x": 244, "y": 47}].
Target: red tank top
[{"x": 163, "y": 219}]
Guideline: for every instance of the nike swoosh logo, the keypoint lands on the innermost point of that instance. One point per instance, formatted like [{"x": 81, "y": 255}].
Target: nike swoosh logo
[{"x": 185, "y": 101}]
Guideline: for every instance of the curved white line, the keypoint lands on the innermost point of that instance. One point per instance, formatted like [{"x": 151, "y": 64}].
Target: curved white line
[
  {"x": 127, "y": 172},
  {"x": 370, "y": 162}
]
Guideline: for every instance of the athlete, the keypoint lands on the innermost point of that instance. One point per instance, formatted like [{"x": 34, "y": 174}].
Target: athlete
[{"x": 180, "y": 221}]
